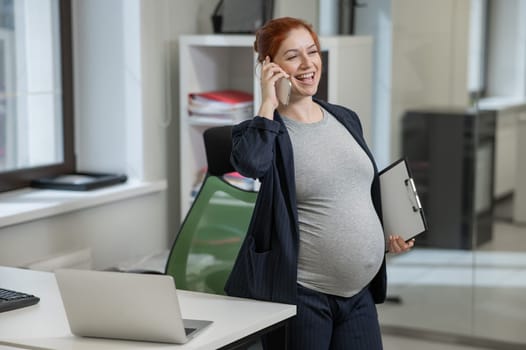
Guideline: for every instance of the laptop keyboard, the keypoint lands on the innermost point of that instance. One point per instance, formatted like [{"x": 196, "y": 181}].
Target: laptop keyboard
[
  {"x": 11, "y": 300},
  {"x": 189, "y": 331}
]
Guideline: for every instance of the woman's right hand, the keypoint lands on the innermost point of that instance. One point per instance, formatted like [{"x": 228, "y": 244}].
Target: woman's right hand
[{"x": 270, "y": 74}]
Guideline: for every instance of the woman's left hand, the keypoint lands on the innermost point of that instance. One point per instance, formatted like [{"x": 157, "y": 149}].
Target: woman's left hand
[{"x": 398, "y": 245}]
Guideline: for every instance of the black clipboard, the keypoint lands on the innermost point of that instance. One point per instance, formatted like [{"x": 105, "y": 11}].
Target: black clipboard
[{"x": 402, "y": 212}]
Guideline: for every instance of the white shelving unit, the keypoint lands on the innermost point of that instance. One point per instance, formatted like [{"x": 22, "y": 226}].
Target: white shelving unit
[
  {"x": 208, "y": 62},
  {"x": 214, "y": 62}
]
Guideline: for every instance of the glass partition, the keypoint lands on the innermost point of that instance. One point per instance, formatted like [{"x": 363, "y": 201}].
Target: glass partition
[
  {"x": 499, "y": 294},
  {"x": 450, "y": 96}
]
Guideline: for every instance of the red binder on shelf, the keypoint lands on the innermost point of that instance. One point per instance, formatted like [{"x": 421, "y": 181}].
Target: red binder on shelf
[
  {"x": 232, "y": 97},
  {"x": 230, "y": 104}
]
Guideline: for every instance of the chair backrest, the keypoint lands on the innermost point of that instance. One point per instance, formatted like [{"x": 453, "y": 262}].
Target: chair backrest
[
  {"x": 218, "y": 146},
  {"x": 209, "y": 239},
  {"x": 211, "y": 234}
]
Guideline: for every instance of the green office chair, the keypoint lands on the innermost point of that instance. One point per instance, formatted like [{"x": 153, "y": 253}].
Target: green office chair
[{"x": 211, "y": 234}]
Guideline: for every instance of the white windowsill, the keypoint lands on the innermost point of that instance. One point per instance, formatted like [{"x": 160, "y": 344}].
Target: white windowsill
[{"x": 29, "y": 204}]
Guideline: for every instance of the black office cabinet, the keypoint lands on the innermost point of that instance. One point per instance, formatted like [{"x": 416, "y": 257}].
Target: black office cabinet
[{"x": 451, "y": 156}]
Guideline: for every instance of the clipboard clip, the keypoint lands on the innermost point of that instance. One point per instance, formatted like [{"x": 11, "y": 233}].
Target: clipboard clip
[{"x": 410, "y": 184}]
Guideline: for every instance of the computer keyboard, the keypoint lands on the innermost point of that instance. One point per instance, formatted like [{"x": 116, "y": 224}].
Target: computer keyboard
[{"x": 11, "y": 300}]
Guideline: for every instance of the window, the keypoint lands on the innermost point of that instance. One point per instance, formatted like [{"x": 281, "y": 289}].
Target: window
[{"x": 36, "y": 91}]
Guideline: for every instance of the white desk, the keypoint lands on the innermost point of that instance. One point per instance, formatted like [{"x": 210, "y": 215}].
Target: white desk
[{"x": 44, "y": 325}]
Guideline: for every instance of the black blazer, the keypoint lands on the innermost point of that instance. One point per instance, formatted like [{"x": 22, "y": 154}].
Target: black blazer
[{"x": 266, "y": 266}]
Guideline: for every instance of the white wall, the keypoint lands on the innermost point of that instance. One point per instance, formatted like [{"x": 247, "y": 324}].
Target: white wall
[
  {"x": 162, "y": 22},
  {"x": 507, "y": 73},
  {"x": 114, "y": 232},
  {"x": 307, "y": 10},
  {"x": 429, "y": 58},
  {"x": 420, "y": 61},
  {"x": 375, "y": 20}
]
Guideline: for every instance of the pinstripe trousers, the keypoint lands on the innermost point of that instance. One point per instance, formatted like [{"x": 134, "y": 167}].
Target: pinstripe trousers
[{"x": 326, "y": 322}]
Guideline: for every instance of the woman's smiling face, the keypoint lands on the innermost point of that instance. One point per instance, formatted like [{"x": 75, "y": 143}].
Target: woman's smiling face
[{"x": 299, "y": 56}]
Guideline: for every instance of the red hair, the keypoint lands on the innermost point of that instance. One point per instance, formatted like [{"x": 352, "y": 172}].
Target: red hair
[{"x": 274, "y": 32}]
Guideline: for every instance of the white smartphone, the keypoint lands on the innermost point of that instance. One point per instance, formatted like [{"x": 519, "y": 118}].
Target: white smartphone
[{"x": 283, "y": 87}]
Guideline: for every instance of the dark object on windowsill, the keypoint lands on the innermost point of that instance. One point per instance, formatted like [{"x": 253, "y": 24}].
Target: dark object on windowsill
[{"x": 83, "y": 181}]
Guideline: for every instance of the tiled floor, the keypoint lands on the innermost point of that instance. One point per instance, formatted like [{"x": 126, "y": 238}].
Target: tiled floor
[
  {"x": 441, "y": 291},
  {"x": 406, "y": 343}
]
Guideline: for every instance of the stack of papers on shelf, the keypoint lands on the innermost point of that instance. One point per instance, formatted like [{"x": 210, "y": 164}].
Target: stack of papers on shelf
[
  {"x": 223, "y": 104},
  {"x": 238, "y": 180},
  {"x": 233, "y": 178}
]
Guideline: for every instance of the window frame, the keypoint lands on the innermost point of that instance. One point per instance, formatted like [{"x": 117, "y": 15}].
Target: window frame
[{"x": 15, "y": 179}]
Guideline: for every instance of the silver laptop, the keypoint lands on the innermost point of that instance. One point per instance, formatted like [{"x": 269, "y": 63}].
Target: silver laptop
[{"x": 121, "y": 305}]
